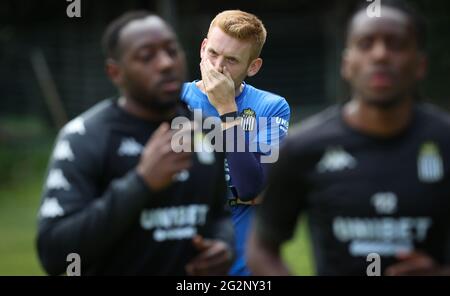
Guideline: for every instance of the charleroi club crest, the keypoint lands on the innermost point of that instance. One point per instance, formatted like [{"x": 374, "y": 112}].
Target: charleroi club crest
[
  {"x": 248, "y": 119},
  {"x": 430, "y": 167}
]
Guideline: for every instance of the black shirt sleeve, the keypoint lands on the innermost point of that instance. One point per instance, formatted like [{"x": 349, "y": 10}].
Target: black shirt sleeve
[
  {"x": 283, "y": 200},
  {"x": 76, "y": 215},
  {"x": 221, "y": 227}
]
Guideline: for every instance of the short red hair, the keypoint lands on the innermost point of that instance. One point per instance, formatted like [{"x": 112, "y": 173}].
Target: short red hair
[{"x": 242, "y": 26}]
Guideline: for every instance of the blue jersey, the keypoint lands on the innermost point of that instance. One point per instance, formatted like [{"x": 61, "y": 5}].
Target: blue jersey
[{"x": 265, "y": 116}]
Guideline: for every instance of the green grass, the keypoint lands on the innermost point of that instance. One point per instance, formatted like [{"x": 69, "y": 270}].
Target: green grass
[
  {"x": 23, "y": 162},
  {"x": 297, "y": 253},
  {"x": 18, "y": 208}
]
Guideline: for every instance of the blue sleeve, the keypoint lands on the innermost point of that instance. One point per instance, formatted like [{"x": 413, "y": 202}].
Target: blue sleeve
[
  {"x": 272, "y": 128},
  {"x": 247, "y": 172},
  {"x": 184, "y": 93}
]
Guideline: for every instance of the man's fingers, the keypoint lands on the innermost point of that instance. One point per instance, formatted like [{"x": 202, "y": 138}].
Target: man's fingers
[
  {"x": 410, "y": 255},
  {"x": 202, "y": 69},
  {"x": 212, "y": 72},
  {"x": 227, "y": 73},
  {"x": 200, "y": 243},
  {"x": 220, "y": 266},
  {"x": 161, "y": 130},
  {"x": 211, "y": 250},
  {"x": 214, "y": 260},
  {"x": 182, "y": 164},
  {"x": 412, "y": 266},
  {"x": 211, "y": 254},
  {"x": 206, "y": 76}
]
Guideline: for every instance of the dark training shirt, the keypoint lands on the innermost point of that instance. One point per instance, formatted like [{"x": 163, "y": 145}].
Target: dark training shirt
[
  {"x": 363, "y": 194},
  {"x": 96, "y": 205}
]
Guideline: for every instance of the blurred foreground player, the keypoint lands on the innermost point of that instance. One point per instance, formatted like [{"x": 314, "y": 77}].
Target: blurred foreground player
[
  {"x": 374, "y": 174},
  {"x": 116, "y": 193}
]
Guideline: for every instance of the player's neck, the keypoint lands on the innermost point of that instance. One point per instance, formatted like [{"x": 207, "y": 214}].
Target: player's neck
[
  {"x": 137, "y": 110},
  {"x": 237, "y": 91},
  {"x": 373, "y": 120}
]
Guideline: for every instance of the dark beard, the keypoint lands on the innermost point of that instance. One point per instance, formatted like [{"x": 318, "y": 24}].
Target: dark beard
[
  {"x": 387, "y": 104},
  {"x": 154, "y": 104},
  {"x": 158, "y": 106}
]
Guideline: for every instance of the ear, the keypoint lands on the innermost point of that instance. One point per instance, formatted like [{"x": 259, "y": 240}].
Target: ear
[
  {"x": 203, "y": 47},
  {"x": 114, "y": 72},
  {"x": 422, "y": 67},
  {"x": 254, "y": 67},
  {"x": 345, "y": 68}
]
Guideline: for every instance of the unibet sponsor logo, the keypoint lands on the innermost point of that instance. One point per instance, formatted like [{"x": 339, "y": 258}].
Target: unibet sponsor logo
[
  {"x": 381, "y": 235},
  {"x": 284, "y": 124},
  {"x": 174, "y": 223}
]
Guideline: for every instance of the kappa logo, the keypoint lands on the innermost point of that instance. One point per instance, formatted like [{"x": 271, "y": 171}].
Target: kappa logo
[
  {"x": 51, "y": 208},
  {"x": 63, "y": 151},
  {"x": 130, "y": 147},
  {"x": 336, "y": 159},
  {"x": 57, "y": 180},
  {"x": 430, "y": 167},
  {"x": 76, "y": 126},
  {"x": 248, "y": 119}
]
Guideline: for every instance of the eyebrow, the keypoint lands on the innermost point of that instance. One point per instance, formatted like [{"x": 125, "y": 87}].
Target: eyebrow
[
  {"x": 150, "y": 44},
  {"x": 226, "y": 56}
]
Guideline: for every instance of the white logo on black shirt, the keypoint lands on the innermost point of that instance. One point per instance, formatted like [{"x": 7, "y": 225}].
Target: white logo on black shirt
[
  {"x": 130, "y": 147},
  {"x": 57, "y": 180},
  {"x": 174, "y": 223},
  {"x": 182, "y": 176},
  {"x": 76, "y": 126},
  {"x": 204, "y": 150},
  {"x": 336, "y": 159},
  {"x": 385, "y": 203},
  {"x": 51, "y": 208},
  {"x": 63, "y": 151}
]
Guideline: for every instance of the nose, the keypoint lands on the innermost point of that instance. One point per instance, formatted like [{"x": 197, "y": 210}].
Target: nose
[
  {"x": 218, "y": 63},
  {"x": 165, "y": 61},
  {"x": 380, "y": 52}
]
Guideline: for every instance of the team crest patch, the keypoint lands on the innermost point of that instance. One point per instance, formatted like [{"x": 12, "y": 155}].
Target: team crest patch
[
  {"x": 248, "y": 119},
  {"x": 430, "y": 167}
]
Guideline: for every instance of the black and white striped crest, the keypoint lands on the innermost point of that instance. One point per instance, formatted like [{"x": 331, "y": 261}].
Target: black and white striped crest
[
  {"x": 430, "y": 168},
  {"x": 248, "y": 120}
]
